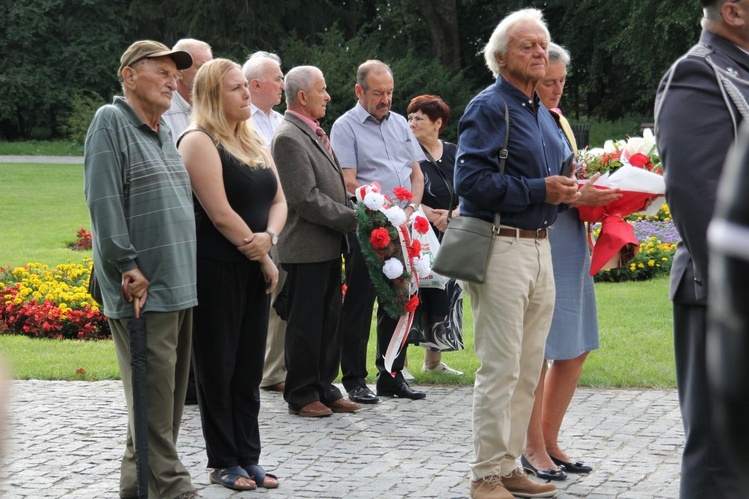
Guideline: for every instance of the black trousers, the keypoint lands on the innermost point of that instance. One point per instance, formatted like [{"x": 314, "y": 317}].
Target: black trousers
[
  {"x": 229, "y": 331},
  {"x": 356, "y": 320},
  {"x": 313, "y": 339},
  {"x": 705, "y": 470}
]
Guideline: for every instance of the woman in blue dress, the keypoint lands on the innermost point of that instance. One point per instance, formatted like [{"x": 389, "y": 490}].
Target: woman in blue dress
[{"x": 574, "y": 327}]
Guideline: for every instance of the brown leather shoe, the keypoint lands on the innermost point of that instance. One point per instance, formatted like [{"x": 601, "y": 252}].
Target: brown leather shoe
[
  {"x": 489, "y": 487},
  {"x": 314, "y": 410},
  {"x": 520, "y": 485},
  {"x": 278, "y": 387},
  {"x": 343, "y": 405}
]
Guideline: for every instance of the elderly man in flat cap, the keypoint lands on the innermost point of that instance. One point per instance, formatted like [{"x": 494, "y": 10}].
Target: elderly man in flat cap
[{"x": 140, "y": 201}]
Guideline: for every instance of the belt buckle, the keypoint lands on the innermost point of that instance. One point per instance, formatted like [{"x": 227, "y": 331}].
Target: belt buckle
[{"x": 538, "y": 233}]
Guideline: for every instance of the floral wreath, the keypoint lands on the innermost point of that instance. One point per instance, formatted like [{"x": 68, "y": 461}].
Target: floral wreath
[{"x": 393, "y": 258}]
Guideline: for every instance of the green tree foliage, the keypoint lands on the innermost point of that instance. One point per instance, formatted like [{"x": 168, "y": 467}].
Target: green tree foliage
[
  {"x": 50, "y": 49},
  {"x": 339, "y": 59},
  {"x": 83, "y": 106},
  {"x": 620, "y": 50}
]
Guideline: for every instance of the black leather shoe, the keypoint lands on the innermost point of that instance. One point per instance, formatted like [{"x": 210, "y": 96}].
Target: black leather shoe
[
  {"x": 550, "y": 474},
  {"x": 402, "y": 390},
  {"x": 576, "y": 467},
  {"x": 363, "y": 395}
]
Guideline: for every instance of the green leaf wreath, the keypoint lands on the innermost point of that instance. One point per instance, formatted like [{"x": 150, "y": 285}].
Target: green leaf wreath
[{"x": 393, "y": 295}]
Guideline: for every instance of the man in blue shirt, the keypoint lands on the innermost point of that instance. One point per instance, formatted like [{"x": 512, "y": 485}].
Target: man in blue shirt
[
  {"x": 513, "y": 308},
  {"x": 373, "y": 144}
]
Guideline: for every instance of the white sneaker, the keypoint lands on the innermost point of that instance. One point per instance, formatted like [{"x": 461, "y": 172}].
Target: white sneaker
[
  {"x": 407, "y": 375},
  {"x": 442, "y": 368}
]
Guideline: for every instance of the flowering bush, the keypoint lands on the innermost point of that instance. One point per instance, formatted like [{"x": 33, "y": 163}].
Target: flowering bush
[
  {"x": 83, "y": 241},
  {"x": 391, "y": 254},
  {"x": 50, "y": 303},
  {"x": 656, "y": 252}
]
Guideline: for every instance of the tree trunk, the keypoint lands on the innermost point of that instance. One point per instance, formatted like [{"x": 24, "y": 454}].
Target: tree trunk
[{"x": 441, "y": 17}]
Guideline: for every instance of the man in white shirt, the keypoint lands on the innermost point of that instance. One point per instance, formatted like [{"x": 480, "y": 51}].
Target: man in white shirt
[
  {"x": 178, "y": 115},
  {"x": 263, "y": 72}
]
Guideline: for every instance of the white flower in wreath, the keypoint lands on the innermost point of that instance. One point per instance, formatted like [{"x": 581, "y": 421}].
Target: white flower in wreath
[
  {"x": 396, "y": 215},
  {"x": 421, "y": 265},
  {"x": 393, "y": 268},
  {"x": 374, "y": 200}
]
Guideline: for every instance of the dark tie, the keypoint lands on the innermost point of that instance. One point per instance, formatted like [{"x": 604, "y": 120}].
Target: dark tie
[{"x": 324, "y": 139}]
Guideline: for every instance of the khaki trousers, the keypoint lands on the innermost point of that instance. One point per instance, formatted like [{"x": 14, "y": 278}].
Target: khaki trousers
[
  {"x": 512, "y": 313},
  {"x": 167, "y": 365}
]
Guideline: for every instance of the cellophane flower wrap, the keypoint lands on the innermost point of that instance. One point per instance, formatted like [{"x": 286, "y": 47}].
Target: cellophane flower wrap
[
  {"x": 393, "y": 258},
  {"x": 634, "y": 167}
]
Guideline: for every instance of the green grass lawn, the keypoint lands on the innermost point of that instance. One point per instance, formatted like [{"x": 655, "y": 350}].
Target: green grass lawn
[
  {"x": 43, "y": 206},
  {"x": 636, "y": 346}
]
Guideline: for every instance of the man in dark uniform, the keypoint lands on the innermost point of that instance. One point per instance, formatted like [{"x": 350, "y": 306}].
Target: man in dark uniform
[{"x": 700, "y": 103}]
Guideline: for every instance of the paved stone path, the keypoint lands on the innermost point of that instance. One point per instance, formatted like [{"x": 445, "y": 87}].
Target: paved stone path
[{"x": 66, "y": 439}]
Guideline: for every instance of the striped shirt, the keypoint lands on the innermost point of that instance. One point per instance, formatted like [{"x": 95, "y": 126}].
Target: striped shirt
[{"x": 139, "y": 197}]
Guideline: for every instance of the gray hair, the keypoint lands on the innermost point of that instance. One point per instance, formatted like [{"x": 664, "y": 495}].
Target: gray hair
[
  {"x": 557, "y": 53},
  {"x": 254, "y": 68},
  {"x": 187, "y": 44},
  {"x": 299, "y": 78},
  {"x": 501, "y": 36},
  {"x": 367, "y": 67}
]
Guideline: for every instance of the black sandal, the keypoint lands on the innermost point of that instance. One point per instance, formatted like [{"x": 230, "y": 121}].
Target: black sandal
[{"x": 258, "y": 474}]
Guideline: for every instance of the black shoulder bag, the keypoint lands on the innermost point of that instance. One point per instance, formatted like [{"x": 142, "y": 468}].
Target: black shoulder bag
[{"x": 467, "y": 242}]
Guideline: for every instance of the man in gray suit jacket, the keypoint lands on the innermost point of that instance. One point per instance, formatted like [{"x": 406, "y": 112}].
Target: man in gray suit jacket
[
  {"x": 311, "y": 246},
  {"x": 700, "y": 103}
]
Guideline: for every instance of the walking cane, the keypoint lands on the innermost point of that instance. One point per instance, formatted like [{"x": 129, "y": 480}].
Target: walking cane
[{"x": 137, "y": 330}]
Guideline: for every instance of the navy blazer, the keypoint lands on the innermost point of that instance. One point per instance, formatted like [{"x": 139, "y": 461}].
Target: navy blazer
[{"x": 695, "y": 127}]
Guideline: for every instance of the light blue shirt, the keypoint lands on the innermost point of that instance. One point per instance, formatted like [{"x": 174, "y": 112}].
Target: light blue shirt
[
  {"x": 379, "y": 151},
  {"x": 178, "y": 115},
  {"x": 265, "y": 124}
]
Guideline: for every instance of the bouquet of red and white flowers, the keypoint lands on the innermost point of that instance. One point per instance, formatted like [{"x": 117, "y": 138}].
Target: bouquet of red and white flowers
[
  {"x": 393, "y": 257},
  {"x": 634, "y": 167}
]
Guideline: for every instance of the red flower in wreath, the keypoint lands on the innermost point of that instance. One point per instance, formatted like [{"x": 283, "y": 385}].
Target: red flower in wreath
[
  {"x": 421, "y": 225},
  {"x": 402, "y": 193},
  {"x": 412, "y": 304},
  {"x": 380, "y": 238},
  {"x": 415, "y": 249}
]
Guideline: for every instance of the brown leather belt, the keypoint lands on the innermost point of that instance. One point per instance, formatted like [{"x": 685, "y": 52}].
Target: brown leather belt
[{"x": 527, "y": 234}]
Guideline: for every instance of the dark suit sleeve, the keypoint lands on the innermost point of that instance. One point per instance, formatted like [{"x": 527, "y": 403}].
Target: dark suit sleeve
[
  {"x": 695, "y": 132},
  {"x": 299, "y": 180}
]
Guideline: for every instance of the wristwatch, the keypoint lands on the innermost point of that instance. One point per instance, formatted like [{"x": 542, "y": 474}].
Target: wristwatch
[
  {"x": 414, "y": 207},
  {"x": 273, "y": 237}
]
